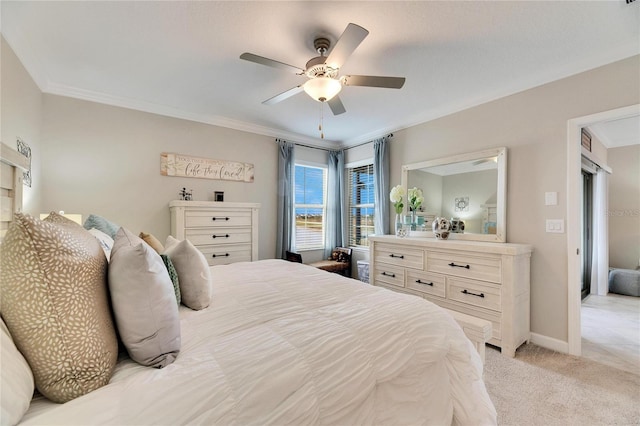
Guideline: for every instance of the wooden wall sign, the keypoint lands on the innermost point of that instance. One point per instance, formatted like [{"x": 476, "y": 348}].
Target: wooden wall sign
[{"x": 186, "y": 166}]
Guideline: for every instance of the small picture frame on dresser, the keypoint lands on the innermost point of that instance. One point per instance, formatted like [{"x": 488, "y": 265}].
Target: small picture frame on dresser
[{"x": 218, "y": 196}]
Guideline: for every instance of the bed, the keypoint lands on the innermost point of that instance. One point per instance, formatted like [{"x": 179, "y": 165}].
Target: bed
[{"x": 279, "y": 343}]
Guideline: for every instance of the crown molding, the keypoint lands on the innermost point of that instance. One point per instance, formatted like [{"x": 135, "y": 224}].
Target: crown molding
[
  {"x": 627, "y": 50},
  {"x": 149, "y": 107}
]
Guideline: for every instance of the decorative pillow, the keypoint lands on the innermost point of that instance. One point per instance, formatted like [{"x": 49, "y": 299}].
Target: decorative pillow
[
  {"x": 144, "y": 302},
  {"x": 106, "y": 242},
  {"x": 193, "y": 271},
  {"x": 173, "y": 274},
  {"x": 152, "y": 241},
  {"x": 53, "y": 298},
  {"x": 101, "y": 224},
  {"x": 16, "y": 380}
]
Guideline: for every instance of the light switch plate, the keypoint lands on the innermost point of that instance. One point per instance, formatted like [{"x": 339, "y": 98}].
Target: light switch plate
[
  {"x": 551, "y": 198},
  {"x": 555, "y": 226}
]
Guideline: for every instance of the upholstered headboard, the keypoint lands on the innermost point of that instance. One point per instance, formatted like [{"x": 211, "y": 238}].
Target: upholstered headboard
[{"x": 12, "y": 166}]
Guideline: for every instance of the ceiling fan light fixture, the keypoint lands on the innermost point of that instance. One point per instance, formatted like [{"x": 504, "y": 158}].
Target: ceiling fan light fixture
[{"x": 322, "y": 89}]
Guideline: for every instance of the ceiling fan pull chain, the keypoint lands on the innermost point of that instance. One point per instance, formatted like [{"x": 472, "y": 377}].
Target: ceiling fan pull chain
[{"x": 321, "y": 120}]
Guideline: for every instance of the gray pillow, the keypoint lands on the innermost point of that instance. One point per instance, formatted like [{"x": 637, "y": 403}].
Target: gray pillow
[
  {"x": 101, "y": 224},
  {"x": 144, "y": 303},
  {"x": 193, "y": 272}
]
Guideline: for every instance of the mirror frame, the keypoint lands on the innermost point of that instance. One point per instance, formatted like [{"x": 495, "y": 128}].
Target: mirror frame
[{"x": 501, "y": 195}]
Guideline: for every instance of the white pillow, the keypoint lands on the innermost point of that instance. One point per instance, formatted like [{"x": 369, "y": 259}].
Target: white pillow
[
  {"x": 106, "y": 242},
  {"x": 193, "y": 272},
  {"x": 144, "y": 302},
  {"x": 17, "y": 385}
]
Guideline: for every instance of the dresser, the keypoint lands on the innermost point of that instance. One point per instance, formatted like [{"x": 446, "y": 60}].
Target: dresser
[
  {"x": 481, "y": 279},
  {"x": 224, "y": 232}
]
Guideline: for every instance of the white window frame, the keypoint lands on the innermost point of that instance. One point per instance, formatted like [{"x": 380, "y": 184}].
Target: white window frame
[
  {"x": 323, "y": 206},
  {"x": 351, "y": 232}
]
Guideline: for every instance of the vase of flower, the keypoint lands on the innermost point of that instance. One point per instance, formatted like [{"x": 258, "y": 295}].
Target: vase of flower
[
  {"x": 400, "y": 228},
  {"x": 395, "y": 196},
  {"x": 415, "y": 199}
]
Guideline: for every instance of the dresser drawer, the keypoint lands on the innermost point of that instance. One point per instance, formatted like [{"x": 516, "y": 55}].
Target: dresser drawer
[
  {"x": 484, "y": 268},
  {"x": 217, "y": 236},
  {"x": 424, "y": 282},
  {"x": 474, "y": 293},
  {"x": 388, "y": 275},
  {"x": 223, "y": 255},
  {"x": 399, "y": 256},
  {"x": 494, "y": 317},
  {"x": 216, "y": 218}
]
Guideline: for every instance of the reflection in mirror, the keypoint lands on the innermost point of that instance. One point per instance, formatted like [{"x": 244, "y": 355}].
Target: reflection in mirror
[{"x": 467, "y": 189}]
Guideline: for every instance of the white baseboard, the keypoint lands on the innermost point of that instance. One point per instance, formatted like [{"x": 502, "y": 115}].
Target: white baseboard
[{"x": 550, "y": 343}]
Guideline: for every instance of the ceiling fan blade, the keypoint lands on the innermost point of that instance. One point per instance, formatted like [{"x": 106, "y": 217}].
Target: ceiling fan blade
[
  {"x": 373, "y": 81},
  {"x": 284, "y": 95},
  {"x": 346, "y": 44},
  {"x": 336, "y": 105},
  {"x": 270, "y": 63}
]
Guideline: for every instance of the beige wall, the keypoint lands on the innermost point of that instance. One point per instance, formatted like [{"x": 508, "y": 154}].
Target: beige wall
[
  {"x": 533, "y": 126},
  {"x": 624, "y": 207},
  {"x": 21, "y": 117},
  {"x": 106, "y": 160}
]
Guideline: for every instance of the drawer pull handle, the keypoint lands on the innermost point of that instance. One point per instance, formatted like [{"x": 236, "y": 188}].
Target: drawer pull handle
[
  {"x": 422, "y": 282},
  {"x": 389, "y": 275},
  {"x": 220, "y": 255},
  {"x": 220, "y": 236},
  {"x": 472, "y": 294},
  {"x": 399, "y": 256},
  {"x": 220, "y": 218},
  {"x": 459, "y": 266}
]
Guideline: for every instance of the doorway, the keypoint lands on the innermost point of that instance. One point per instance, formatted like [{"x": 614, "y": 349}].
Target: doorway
[
  {"x": 574, "y": 216},
  {"x": 587, "y": 234}
]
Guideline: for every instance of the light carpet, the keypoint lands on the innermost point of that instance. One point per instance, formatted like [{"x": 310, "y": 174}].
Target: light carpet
[{"x": 543, "y": 387}]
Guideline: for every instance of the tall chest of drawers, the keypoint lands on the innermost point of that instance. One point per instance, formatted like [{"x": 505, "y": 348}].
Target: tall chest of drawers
[
  {"x": 484, "y": 280},
  {"x": 224, "y": 232}
]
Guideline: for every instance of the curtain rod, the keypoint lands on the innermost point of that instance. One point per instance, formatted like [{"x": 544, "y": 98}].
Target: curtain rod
[
  {"x": 306, "y": 146},
  {"x": 390, "y": 135}
]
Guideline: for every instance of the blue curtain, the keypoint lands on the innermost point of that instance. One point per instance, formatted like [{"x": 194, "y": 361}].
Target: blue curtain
[
  {"x": 286, "y": 238},
  {"x": 381, "y": 185},
  {"x": 334, "y": 224}
]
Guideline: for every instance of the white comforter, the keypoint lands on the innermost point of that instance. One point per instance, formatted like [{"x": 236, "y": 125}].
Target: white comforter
[{"x": 284, "y": 343}]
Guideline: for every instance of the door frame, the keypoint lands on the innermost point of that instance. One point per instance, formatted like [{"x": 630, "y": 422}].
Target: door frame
[{"x": 574, "y": 206}]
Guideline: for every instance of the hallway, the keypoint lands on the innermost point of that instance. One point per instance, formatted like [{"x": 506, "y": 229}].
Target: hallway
[{"x": 611, "y": 331}]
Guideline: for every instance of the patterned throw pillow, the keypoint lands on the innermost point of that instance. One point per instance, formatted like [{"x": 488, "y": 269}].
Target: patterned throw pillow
[
  {"x": 53, "y": 298},
  {"x": 106, "y": 242},
  {"x": 173, "y": 274}
]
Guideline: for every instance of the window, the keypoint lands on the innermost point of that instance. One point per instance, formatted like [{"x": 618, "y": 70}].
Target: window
[
  {"x": 310, "y": 204},
  {"x": 361, "y": 205}
]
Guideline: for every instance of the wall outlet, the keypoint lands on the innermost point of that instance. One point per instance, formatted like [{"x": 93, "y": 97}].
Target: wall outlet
[{"x": 555, "y": 226}]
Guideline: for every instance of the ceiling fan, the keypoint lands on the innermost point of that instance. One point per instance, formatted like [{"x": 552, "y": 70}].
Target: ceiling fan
[{"x": 324, "y": 84}]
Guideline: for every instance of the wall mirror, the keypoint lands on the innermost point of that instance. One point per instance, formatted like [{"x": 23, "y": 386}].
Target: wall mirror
[{"x": 469, "y": 189}]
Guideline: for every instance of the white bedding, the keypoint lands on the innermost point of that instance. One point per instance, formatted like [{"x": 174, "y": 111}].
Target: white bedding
[{"x": 285, "y": 343}]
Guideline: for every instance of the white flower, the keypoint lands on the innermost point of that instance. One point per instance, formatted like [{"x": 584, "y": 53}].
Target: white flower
[
  {"x": 415, "y": 198},
  {"x": 397, "y": 192}
]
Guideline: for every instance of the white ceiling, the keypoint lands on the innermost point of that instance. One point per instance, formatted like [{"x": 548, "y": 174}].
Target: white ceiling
[
  {"x": 618, "y": 133},
  {"x": 182, "y": 58}
]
